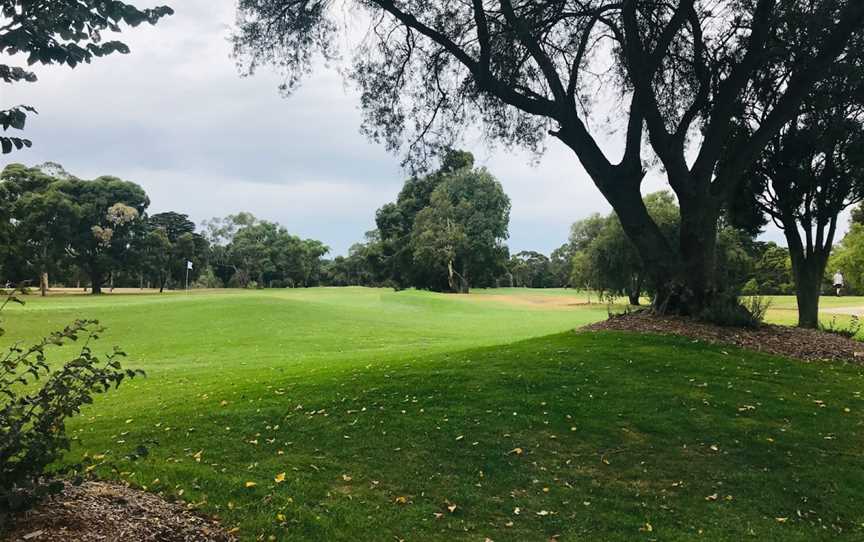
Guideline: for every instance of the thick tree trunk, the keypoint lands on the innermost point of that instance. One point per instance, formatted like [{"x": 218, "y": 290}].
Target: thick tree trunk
[
  {"x": 808, "y": 305},
  {"x": 808, "y": 285},
  {"x": 698, "y": 245},
  {"x": 95, "y": 282},
  {"x": 657, "y": 254},
  {"x": 808, "y": 268},
  {"x": 43, "y": 283},
  {"x": 635, "y": 290},
  {"x": 683, "y": 277},
  {"x": 666, "y": 269}
]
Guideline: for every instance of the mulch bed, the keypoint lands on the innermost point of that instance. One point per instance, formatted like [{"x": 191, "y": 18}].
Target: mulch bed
[
  {"x": 803, "y": 344},
  {"x": 106, "y": 512}
]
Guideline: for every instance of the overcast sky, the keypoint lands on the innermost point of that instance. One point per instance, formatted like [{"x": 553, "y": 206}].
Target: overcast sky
[{"x": 175, "y": 117}]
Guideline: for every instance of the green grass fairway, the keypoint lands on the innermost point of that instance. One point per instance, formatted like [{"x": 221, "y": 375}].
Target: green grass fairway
[
  {"x": 360, "y": 414},
  {"x": 784, "y": 310}
]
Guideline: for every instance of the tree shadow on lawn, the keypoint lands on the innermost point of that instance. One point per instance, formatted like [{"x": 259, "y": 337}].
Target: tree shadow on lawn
[{"x": 601, "y": 435}]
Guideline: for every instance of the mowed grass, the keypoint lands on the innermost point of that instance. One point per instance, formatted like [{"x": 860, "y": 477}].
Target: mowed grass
[
  {"x": 418, "y": 416},
  {"x": 784, "y": 310}
]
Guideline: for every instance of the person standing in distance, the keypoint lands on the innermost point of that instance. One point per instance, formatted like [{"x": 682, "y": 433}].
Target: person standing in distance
[{"x": 838, "y": 283}]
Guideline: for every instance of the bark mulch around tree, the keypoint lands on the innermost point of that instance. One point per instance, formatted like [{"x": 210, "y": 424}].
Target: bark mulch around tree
[
  {"x": 792, "y": 342},
  {"x": 105, "y": 512}
]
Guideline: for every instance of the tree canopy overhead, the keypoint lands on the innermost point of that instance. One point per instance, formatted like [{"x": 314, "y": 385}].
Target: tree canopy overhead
[
  {"x": 681, "y": 72},
  {"x": 65, "y": 32}
]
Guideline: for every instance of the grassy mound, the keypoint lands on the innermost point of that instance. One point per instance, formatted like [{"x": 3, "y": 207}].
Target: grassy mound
[{"x": 370, "y": 415}]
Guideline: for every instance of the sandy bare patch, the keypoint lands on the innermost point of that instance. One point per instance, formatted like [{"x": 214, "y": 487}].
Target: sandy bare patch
[
  {"x": 99, "y": 511},
  {"x": 851, "y": 311},
  {"x": 537, "y": 301},
  {"x": 793, "y": 342}
]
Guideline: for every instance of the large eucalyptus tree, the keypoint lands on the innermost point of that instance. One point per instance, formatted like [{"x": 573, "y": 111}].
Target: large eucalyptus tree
[{"x": 672, "y": 74}]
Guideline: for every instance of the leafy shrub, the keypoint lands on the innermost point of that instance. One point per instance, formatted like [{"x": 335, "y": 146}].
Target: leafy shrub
[
  {"x": 730, "y": 311},
  {"x": 208, "y": 279},
  {"x": 751, "y": 287},
  {"x": 758, "y": 307},
  {"x": 850, "y": 331},
  {"x": 33, "y": 415}
]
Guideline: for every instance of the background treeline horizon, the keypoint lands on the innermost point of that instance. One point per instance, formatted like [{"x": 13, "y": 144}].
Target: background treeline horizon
[{"x": 446, "y": 231}]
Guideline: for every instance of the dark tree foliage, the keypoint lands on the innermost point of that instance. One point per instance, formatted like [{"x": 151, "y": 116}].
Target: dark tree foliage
[
  {"x": 531, "y": 269},
  {"x": 363, "y": 266},
  {"x": 65, "y": 32},
  {"x": 395, "y": 222},
  {"x": 172, "y": 223},
  {"x": 247, "y": 252},
  {"x": 169, "y": 242},
  {"x": 461, "y": 233},
  {"x": 34, "y": 225},
  {"x": 445, "y": 227},
  {"x": 678, "y": 73},
  {"x": 607, "y": 259},
  {"x": 108, "y": 222},
  {"x": 809, "y": 172}
]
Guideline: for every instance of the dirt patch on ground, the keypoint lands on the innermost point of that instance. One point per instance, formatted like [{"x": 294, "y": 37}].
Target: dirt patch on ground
[
  {"x": 98, "y": 511},
  {"x": 804, "y": 344},
  {"x": 544, "y": 301},
  {"x": 852, "y": 311}
]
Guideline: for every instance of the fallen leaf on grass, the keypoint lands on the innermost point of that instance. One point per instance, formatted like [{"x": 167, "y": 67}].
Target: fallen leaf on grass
[
  {"x": 279, "y": 478},
  {"x": 251, "y": 484}
]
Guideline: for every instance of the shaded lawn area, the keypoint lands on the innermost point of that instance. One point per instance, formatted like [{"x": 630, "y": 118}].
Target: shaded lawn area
[{"x": 387, "y": 423}]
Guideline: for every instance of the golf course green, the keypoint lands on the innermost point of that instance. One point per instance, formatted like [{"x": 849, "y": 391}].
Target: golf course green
[{"x": 369, "y": 414}]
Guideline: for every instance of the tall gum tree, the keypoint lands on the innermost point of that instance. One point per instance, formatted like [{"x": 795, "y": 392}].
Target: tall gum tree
[
  {"x": 809, "y": 172},
  {"x": 430, "y": 69}
]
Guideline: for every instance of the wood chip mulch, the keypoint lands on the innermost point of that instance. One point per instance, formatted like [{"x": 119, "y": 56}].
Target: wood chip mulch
[
  {"x": 106, "y": 512},
  {"x": 792, "y": 342}
]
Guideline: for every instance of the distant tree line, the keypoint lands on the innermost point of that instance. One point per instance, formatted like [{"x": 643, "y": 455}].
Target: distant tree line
[
  {"x": 445, "y": 231},
  {"x": 58, "y": 229}
]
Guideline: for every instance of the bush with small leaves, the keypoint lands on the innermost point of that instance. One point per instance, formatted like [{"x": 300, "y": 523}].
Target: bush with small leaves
[
  {"x": 36, "y": 400},
  {"x": 850, "y": 331},
  {"x": 730, "y": 311}
]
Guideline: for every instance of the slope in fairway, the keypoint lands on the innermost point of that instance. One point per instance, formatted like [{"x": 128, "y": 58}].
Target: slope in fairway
[{"x": 355, "y": 414}]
